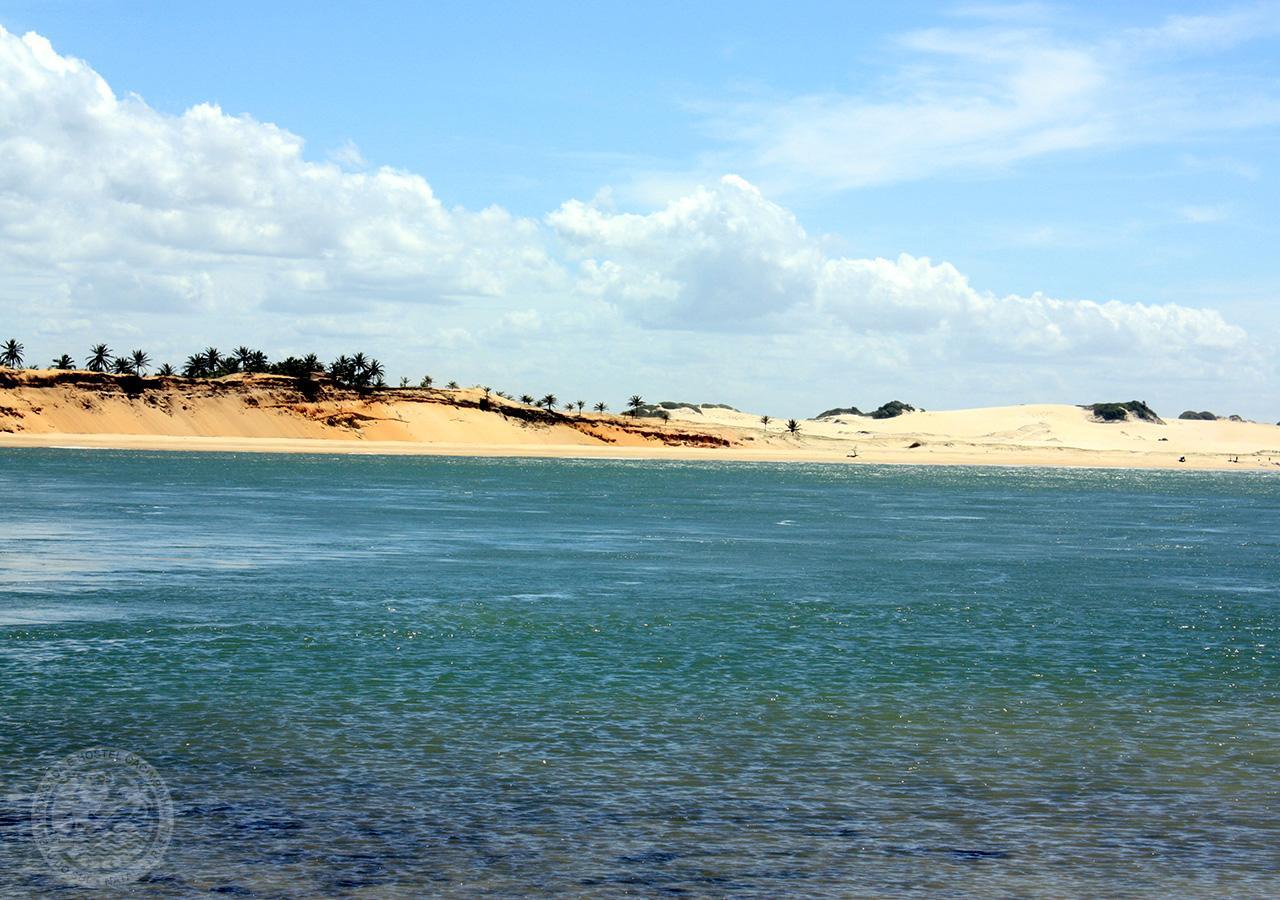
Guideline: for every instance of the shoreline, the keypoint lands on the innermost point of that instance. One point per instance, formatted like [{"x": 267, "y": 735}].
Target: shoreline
[
  {"x": 275, "y": 414},
  {"x": 985, "y": 456}
]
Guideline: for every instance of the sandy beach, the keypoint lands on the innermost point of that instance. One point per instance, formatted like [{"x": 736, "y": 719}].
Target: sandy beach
[{"x": 268, "y": 414}]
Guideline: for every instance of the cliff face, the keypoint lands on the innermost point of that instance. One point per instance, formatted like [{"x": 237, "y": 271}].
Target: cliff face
[{"x": 274, "y": 406}]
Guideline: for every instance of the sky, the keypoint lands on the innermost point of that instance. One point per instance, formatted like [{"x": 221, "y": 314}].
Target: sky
[{"x": 782, "y": 208}]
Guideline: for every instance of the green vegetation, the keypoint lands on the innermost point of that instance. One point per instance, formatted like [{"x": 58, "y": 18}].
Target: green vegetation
[
  {"x": 1203, "y": 415},
  {"x": 99, "y": 358},
  {"x": 793, "y": 426},
  {"x": 892, "y": 409},
  {"x": 1120, "y": 412},
  {"x": 64, "y": 362},
  {"x": 840, "y": 411},
  {"x": 11, "y": 354}
]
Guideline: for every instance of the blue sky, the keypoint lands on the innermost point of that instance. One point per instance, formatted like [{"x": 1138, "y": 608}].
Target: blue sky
[{"x": 1059, "y": 152}]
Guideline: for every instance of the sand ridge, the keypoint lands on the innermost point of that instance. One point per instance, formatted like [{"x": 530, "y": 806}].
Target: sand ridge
[{"x": 269, "y": 413}]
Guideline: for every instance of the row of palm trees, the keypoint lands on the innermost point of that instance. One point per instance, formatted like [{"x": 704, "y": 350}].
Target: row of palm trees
[{"x": 357, "y": 372}]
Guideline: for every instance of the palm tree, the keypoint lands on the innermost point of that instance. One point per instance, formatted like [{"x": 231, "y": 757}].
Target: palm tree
[
  {"x": 601, "y": 406},
  {"x": 64, "y": 362},
  {"x": 140, "y": 362},
  {"x": 122, "y": 366},
  {"x": 312, "y": 363},
  {"x": 568, "y": 406},
  {"x": 765, "y": 420},
  {"x": 166, "y": 370},
  {"x": 196, "y": 366},
  {"x": 374, "y": 372},
  {"x": 243, "y": 356},
  {"x": 11, "y": 354},
  {"x": 793, "y": 426},
  {"x": 426, "y": 381},
  {"x": 212, "y": 360},
  {"x": 635, "y": 402},
  {"x": 526, "y": 399},
  {"x": 452, "y": 385},
  {"x": 581, "y": 404},
  {"x": 343, "y": 371},
  {"x": 549, "y": 401},
  {"x": 100, "y": 358}
]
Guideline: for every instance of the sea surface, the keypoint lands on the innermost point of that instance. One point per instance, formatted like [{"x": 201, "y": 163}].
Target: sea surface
[{"x": 383, "y": 677}]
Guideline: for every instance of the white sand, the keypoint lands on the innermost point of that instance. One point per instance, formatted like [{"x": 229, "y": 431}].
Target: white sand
[{"x": 266, "y": 415}]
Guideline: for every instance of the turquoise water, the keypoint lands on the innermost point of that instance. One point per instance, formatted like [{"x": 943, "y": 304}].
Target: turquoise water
[{"x": 371, "y": 676}]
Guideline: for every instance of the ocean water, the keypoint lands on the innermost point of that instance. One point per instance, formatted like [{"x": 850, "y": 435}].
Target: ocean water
[{"x": 371, "y": 676}]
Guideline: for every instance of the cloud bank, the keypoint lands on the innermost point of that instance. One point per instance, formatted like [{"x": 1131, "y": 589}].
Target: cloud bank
[{"x": 117, "y": 219}]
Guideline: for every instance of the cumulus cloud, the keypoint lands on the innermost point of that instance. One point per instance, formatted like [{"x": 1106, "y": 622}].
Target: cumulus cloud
[
  {"x": 111, "y": 199},
  {"x": 727, "y": 258},
  {"x": 114, "y": 215}
]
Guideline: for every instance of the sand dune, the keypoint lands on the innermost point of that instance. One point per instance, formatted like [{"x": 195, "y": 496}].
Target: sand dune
[{"x": 274, "y": 414}]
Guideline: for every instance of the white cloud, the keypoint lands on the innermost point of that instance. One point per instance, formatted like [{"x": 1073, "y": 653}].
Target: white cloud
[
  {"x": 727, "y": 259},
  {"x": 118, "y": 220},
  {"x": 1203, "y": 214},
  {"x": 109, "y": 198},
  {"x": 987, "y": 95}
]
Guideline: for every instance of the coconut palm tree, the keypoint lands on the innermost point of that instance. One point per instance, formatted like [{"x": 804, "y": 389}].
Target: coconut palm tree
[
  {"x": 568, "y": 406},
  {"x": 793, "y": 426},
  {"x": 64, "y": 362},
  {"x": 140, "y": 362},
  {"x": 122, "y": 365},
  {"x": 526, "y": 399},
  {"x": 549, "y": 401},
  {"x": 166, "y": 370},
  {"x": 254, "y": 361},
  {"x": 343, "y": 371},
  {"x": 196, "y": 366},
  {"x": 634, "y": 403},
  {"x": 213, "y": 361},
  {"x": 242, "y": 355},
  {"x": 765, "y": 420},
  {"x": 426, "y": 381},
  {"x": 580, "y": 404},
  {"x": 374, "y": 373},
  {"x": 11, "y": 354},
  {"x": 601, "y": 406},
  {"x": 452, "y": 385},
  {"x": 99, "y": 359}
]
